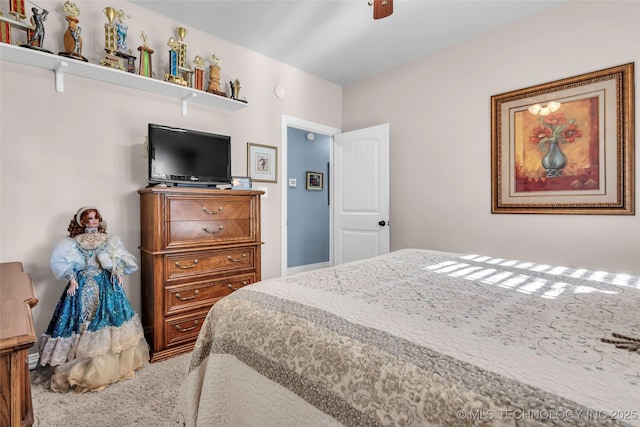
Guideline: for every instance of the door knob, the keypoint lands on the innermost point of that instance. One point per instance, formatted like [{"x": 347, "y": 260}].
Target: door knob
[{"x": 382, "y": 223}]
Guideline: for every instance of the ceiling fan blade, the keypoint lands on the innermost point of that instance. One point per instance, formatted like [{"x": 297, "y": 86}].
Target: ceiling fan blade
[{"x": 382, "y": 8}]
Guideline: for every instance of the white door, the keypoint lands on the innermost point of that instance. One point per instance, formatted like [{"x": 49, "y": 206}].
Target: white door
[{"x": 361, "y": 193}]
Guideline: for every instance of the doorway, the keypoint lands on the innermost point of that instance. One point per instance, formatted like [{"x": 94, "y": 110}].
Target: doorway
[
  {"x": 308, "y": 208},
  {"x": 358, "y": 193},
  {"x": 321, "y": 132}
]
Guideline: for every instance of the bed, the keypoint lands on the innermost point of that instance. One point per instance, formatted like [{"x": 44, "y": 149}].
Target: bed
[{"x": 420, "y": 337}]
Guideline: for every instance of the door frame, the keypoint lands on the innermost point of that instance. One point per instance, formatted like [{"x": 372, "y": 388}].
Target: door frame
[{"x": 294, "y": 122}]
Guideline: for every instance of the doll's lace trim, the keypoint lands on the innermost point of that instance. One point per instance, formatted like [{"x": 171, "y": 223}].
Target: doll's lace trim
[
  {"x": 91, "y": 240},
  {"x": 59, "y": 350}
]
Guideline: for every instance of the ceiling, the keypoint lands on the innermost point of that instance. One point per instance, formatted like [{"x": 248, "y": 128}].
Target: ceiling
[{"x": 339, "y": 40}]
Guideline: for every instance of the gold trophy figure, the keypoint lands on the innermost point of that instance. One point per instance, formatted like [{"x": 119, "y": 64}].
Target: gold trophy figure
[
  {"x": 198, "y": 65},
  {"x": 71, "y": 39},
  {"x": 145, "y": 57},
  {"x": 111, "y": 41},
  {"x": 214, "y": 76}
]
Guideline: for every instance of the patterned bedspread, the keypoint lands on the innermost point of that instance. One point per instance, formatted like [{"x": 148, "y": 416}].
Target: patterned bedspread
[{"x": 419, "y": 337}]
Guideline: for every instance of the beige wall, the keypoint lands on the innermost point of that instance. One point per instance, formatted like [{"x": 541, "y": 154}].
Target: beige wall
[
  {"x": 61, "y": 151},
  {"x": 440, "y": 120}
]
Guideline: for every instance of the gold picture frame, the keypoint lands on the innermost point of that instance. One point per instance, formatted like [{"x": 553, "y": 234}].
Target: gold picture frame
[
  {"x": 262, "y": 162},
  {"x": 565, "y": 147}
]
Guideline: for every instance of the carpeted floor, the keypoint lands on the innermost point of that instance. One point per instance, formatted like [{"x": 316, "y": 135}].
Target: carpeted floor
[{"x": 146, "y": 400}]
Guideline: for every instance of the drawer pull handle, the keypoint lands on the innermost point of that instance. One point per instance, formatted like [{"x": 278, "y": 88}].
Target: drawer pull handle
[
  {"x": 233, "y": 288},
  {"x": 212, "y": 231},
  {"x": 195, "y": 323},
  {"x": 181, "y": 298},
  {"x": 204, "y": 209},
  {"x": 184, "y": 267},
  {"x": 230, "y": 258}
]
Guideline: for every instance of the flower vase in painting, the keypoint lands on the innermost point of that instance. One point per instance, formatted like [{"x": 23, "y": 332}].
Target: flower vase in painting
[
  {"x": 558, "y": 146},
  {"x": 553, "y": 129}
]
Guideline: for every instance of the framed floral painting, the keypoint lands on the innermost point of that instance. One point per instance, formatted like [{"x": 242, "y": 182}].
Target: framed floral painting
[{"x": 565, "y": 147}]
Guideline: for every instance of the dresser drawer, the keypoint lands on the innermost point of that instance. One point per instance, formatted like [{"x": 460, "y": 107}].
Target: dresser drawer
[
  {"x": 195, "y": 295},
  {"x": 186, "y": 233},
  {"x": 197, "y": 264},
  {"x": 180, "y": 330},
  {"x": 203, "y": 209}
]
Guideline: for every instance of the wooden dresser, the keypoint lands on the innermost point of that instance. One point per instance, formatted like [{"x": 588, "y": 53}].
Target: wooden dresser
[
  {"x": 197, "y": 246},
  {"x": 17, "y": 335}
]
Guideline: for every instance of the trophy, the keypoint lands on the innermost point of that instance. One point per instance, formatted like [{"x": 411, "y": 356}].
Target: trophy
[
  {"x": 178, "y": 72},
  {"x": 111, "y": 41},
  {"x": 172, "y": 76},
  {"x": 71, "y": 39},
  {"x": 18, "y": 11},
  {"x": 214, "y": 76},
  {"x": 198, "y": 80},
  {"x": 5, "y": 29},
  {"x": 123, "y": 51},
  {"x": 121, "y": 30},
  {"x": 235, "y": 90},
  {"x": 145, "y": 57},
  {"x": 185, "y": 71}
]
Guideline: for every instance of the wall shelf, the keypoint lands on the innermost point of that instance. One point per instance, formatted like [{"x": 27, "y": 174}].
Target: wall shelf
[{"x": 61, "y": 66}]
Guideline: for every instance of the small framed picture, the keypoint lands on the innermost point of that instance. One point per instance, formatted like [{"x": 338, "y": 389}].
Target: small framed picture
[
  {"x": 314, "y": 181},
  {"x": 241, "y": 183},
  {"x": 262, "y": 162}
]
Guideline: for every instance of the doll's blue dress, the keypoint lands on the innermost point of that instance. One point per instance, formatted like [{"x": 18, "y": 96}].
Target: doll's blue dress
[{"x": 95, "y": 337}]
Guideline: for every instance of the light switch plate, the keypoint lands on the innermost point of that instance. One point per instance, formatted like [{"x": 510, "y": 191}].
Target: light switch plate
[{"x": 292, "y": 182}]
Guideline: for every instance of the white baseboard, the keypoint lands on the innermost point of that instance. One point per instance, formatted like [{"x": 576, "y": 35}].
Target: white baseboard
[
  {"x": 308, "y": 267},
  {"x": 33, "y": 360}
]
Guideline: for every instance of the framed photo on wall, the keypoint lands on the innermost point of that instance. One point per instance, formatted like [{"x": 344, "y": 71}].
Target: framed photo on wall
[
  {"x": 314, "y": 181},
  {"x": 262, "y": 162},
  {"x": 565, "y": 147}
]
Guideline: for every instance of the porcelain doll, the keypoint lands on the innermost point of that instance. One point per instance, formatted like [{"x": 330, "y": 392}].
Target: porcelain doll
[{"x": 95, "y": 338}]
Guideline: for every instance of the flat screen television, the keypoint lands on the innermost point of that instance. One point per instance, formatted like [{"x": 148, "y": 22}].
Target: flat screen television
[{"x": 188, "y": 157}]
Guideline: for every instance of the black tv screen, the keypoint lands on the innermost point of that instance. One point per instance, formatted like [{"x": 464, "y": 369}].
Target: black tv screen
[{"x": 184, "y": 156}]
